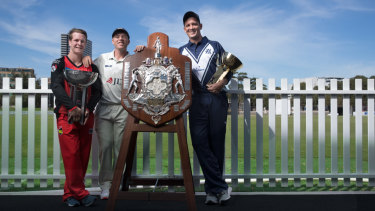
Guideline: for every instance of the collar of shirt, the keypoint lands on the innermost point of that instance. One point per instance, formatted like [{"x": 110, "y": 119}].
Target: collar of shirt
[
  {"x": 202, "y": 42},
  {"x": 112, "y": 57}
]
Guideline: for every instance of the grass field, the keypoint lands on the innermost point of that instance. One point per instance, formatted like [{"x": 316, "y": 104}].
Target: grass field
[{"x": 228, "y": 146}]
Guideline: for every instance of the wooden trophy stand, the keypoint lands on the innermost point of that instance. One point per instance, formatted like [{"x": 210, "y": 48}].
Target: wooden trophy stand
[{"x": 133, "y": 126}]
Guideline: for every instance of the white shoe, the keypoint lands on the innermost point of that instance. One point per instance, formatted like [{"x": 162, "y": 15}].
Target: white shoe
[
  {"x": 104, "y": 195},
  {"x": 211, "y": 199},
  {"x": 225, "y": 196}
]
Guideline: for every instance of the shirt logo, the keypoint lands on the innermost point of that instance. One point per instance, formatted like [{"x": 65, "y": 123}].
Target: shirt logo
[
  {"x": 107, "y": 65},
  {"x": 114, "y": 81},
  {"x": 200, "y": 64},
  {"x": 54, "y": 67}
]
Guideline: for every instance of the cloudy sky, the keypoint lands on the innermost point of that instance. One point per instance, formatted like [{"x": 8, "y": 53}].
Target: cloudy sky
[{"x": 273, "y": 38}]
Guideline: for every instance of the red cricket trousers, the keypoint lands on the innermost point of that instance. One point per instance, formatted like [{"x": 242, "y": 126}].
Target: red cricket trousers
[{"x": 75, "y": 145}]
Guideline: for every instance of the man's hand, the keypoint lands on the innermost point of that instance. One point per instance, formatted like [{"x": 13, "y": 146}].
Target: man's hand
[
  {"x": 75, "y": 115},
  {"x": 87, "y": 114},
  {"x": 87, "y": 61},
  {"x": 217, "y": 87},
  {"x": 139, "y": 48}
]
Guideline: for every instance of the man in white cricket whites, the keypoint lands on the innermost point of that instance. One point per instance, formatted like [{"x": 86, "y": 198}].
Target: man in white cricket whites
[{"x": 110, "y": 116}]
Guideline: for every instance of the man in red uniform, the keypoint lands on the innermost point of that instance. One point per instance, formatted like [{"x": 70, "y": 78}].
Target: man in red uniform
[{"x": 75, "y": 139}]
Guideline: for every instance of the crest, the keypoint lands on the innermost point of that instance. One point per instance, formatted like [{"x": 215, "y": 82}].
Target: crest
[{"x": 157, "y": 89}]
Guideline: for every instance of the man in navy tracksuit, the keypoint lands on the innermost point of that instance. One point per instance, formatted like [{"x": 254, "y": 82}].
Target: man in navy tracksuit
[{"x": 208, "y": 113}]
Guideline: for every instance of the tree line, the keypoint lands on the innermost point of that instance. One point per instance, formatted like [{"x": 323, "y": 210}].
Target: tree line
[{"x": 242, "y": 75}]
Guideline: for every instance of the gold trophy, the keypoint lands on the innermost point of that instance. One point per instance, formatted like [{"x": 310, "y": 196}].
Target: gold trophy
[{"x": 227, "y": 62}]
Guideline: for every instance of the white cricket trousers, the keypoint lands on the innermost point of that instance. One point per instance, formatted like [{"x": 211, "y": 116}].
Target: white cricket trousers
[{"x": 110, "y": 121}]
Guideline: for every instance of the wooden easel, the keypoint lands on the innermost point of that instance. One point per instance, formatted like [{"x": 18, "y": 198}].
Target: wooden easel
[{"x": 126, "y": 156}]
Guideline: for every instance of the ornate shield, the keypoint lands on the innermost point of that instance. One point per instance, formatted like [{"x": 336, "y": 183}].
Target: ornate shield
[{"x": 156, "y": 82}]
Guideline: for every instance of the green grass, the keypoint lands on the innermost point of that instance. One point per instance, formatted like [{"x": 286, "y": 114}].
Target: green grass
[{"x": 227, "y": 154}]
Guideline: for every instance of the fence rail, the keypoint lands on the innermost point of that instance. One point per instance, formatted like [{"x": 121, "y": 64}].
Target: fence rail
[{"x": 306, "y": 145}]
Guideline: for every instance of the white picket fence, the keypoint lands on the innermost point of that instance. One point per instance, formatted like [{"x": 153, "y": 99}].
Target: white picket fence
[{"x": 49, "y": 165}]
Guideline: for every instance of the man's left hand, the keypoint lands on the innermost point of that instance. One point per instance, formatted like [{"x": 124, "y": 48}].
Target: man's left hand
[
  {"x": 139, "y": 48},
  {"x": 87, "y": 61},
  {"x": 87, "y": 114}
]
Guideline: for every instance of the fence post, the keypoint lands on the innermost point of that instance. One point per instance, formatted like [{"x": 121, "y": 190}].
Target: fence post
[
  {"x": 31, "y": 133},
  {"x": 346, "y": 131},
  {"x": 44, "y": 133},
  {"x": 272, "y": 131},
  {"x": 247, "y": 129},
  {"x": 334, "y": 153},
  {"x": 234, "y": 131},
  {"x": 321, "y": 130},
  {"x": 18, "y": 134},
  {"x": 284, "y": 132},
  {"x": 358, "y": 129},
  {"x": 146, "y": 153},
  {"x": 371, "y": 131},
  {"x": 259, "y": 133},
  {"x": 5, "y": 135},
  {"x": 158, "y": 154},
  {"x": 309, "y": 134},
  {"x": 297, "y": 132}
]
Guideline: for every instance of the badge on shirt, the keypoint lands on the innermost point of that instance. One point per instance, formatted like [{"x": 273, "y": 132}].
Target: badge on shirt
[
  {"x": 54, "y": 67},
  {"x": 60, "y": 130}
]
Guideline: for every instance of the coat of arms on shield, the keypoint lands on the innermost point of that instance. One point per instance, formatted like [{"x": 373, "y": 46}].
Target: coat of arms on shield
[{"x": 156, "y": 82}]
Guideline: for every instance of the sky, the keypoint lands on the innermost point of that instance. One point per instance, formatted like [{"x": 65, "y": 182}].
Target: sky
[{"x": 273, "y": 38}]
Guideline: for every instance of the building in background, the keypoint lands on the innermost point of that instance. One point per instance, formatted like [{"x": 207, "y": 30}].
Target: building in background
[
  {"x": 65, "y": 46},
  {"x": 13, "y": 73}
]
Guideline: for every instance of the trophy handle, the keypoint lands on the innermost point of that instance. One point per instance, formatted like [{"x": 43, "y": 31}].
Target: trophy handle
[
  {"x": 223, "y": 75},
  {"x": 83, "y": 106},
  {"x": 73, "y": 92}
]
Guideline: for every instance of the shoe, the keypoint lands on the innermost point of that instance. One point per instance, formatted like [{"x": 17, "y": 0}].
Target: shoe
[
  {"x": 88, "y": 200},
  {"x": 72, "y": 202},
  {"x": 211, "y": 199},
  {"x": 225, "y": 196},
  {"x": 104, "y": 194}
]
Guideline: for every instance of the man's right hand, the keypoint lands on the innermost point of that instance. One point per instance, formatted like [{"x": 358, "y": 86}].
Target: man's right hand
[
  {"x": 74, "y": 115},
  {"x": 87, "y": 61}
]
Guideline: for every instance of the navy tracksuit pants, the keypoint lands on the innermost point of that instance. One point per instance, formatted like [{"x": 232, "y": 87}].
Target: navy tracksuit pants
[{"x": 207, "y": 120}]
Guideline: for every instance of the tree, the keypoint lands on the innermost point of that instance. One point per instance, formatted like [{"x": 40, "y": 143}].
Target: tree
[
  {"x": 25, "y": 84},
  {"x": 240, "y": 76}
]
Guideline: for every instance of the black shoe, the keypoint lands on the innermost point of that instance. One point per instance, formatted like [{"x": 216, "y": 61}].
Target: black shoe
[
  {"x": 72, "y": 202},
  {"x": 88, "y": 200}
]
